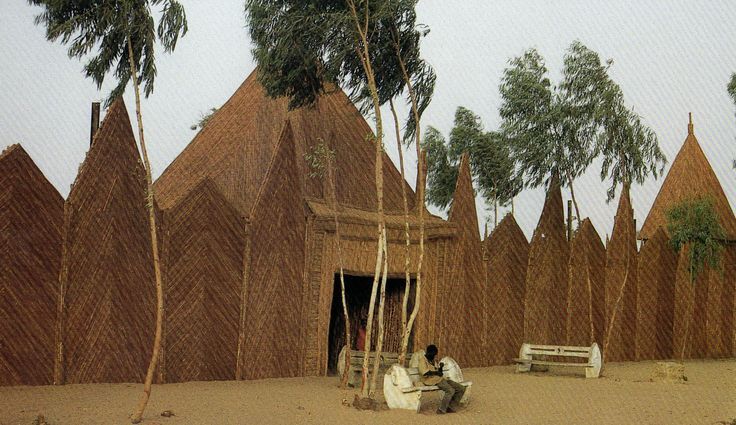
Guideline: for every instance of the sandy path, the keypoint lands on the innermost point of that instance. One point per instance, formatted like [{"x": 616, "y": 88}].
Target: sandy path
[{"x": 500, "y": 396}]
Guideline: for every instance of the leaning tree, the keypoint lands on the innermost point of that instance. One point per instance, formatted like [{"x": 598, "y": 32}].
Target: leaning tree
[
  {"x": 121, "y": 34},
  {"x": 304, "y": 47},
  {"x": 551, "y": 129},
  {"x": 693, "y": 226}
]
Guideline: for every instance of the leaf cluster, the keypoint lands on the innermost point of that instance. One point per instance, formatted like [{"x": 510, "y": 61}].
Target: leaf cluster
[
  {"x": 105, "y": 27},
  {"x": 562, "y": 129},
  {"x": 693, "y": 223},
  {"x": 490, "y": 161},
  {"x": 304, "y": 48},
  {"x": 319, "y": 159}
]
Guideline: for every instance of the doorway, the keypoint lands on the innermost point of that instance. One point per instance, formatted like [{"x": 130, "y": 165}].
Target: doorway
[{"x": 357, "y": 297}]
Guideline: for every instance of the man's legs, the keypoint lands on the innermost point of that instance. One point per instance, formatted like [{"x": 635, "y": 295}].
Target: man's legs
[
  {"x": 449, "y": 390},
  {"x": 459, "y": 392}
]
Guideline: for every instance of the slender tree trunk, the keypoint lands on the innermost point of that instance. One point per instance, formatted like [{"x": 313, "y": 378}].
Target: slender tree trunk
[
  {"x": 574, "y": 201},
  {"x": 590, "y": 303},
  {"x": 495, "y": 212},
  {"x": 63, "y": 281},
  {"x": 381, "y": 331},
  {"x": 333, "y": 200},
  {"x": 615, "y": 308},
  {"x": 364, "y": 56},
  {"x": 137, "y": 417},
  {"x": 369, "y": 324},
  {"x": 407, "y": 272},
  {"x": 420, "y": 206}
]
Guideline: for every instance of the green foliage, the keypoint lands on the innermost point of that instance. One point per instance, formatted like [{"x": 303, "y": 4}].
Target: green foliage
[
  {"x": 490, "y": 161},
  {"x": 319, "y": 159},
  {"x": 561, "y": 129},
  {"x": 304, "y": 47},
  {"x": 441, "y": 172},
  {"x": 203, "y": 119},
  {"x": 106, "y": 26},
  {"x": 629, "y": 149},
  {"x": 694, "y": 223}
]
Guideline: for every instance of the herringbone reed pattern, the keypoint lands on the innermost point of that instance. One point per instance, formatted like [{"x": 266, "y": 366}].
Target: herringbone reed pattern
[
  {"x": 585, "y": 292},
  {"x": 655, "y": 298},
  {"x": 463, "y": 312},
  {"x": 273, "y": 313},
  {"x": 31, "y": 215},
  {"x": 546, "y": 276},
  {"x": 204, "y": 241},
  {"x": 110, "y": 294},
  {"x": 507, "y": 251},
  {"x": 621, "y": 276}
]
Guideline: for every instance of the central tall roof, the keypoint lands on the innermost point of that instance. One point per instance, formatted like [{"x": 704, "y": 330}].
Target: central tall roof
[
  {"x": 690, "y": 177},
  {"x": 236, "y": 147}
]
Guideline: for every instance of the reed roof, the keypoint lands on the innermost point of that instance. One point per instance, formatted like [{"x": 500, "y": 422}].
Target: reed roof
[
  {"x": 691, "y": 176},
  {"x": 238, "y": 143}
]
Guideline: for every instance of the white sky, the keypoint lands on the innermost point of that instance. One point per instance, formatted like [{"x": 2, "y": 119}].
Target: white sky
[{"x": 671, "y": 57}]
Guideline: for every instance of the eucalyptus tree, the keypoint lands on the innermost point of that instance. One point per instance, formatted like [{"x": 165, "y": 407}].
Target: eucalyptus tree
[
  {"x": 399, "y": 68},
  {"x": 629, "y": 149},
  {"x": 693, "y": 225},
  {"x": 490, "y": 162},
  {"x": 551, "y": 129},
  {"x": 304, "y": 47},
  {"x": 121, "y": 35}
]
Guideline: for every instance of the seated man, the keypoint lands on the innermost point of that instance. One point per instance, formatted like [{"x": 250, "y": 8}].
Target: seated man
[{"x": 432, "y": 375}]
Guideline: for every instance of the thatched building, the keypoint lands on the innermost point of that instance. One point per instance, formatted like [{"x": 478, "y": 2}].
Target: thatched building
[
  {"x": 253, "y": 151},
  {"x": 711, "y": 332}
]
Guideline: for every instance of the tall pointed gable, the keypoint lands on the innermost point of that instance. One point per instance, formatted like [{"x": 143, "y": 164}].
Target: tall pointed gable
[
  {"x": 507, "y": 251},
  {"x": 238, "y": 143},
  {"x": 467, "y": 284},
  {"x": 546, "y": 277},
  {"x": 621, "y": 281},
  {"x": 107, "y": 276},
  {"x": 691, "y": 176},
  {"x": 31, "y": 217}
]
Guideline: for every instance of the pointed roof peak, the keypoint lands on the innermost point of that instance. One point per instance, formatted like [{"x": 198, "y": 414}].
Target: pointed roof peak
[{"x": 690, "y": 127}]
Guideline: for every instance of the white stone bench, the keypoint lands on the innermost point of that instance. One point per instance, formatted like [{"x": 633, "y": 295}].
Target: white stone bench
[
  {"x": 403, "y": 389},
  {"x": 593, "y": 354},
  {"x": 356, "y": 364}
]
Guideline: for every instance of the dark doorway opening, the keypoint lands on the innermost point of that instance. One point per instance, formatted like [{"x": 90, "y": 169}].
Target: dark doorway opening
[{"x": 357, "y": 297}]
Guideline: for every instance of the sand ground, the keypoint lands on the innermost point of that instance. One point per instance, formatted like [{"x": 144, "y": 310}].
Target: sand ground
[{"x": 499, "y": 396}]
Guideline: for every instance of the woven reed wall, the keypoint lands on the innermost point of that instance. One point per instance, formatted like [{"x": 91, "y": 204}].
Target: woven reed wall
[
  {"x": 274, "y": 312},
  {"x": 710, "y": 333},
  {"x": 507, "y": 253},
  {"x": 463, "y": 332},
  {"x": 729, "y": 300},
  {"x": 203, "y": 244},
  {"x": 546, "y": 277},
  {"x": 655, "y": 298},
  {"x": 31, "y": 218},
  {"x": 110, "y": 294},
  {"x": 586, "y": 287},
  {"x": 621, "y": 278}
]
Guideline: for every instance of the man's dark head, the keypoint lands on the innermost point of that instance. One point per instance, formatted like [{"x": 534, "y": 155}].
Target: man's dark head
[{"x": 431, "y": 351}]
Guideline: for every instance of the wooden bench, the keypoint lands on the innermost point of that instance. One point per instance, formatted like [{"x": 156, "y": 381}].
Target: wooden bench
[
  {"x": 593, "y": 354},
  {"x": 356, "y": 364},
  {"x": 403, "y": 389}
]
